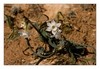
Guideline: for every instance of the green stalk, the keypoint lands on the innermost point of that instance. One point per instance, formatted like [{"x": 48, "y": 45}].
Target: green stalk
[
  {"x": 29, "y": 45},
  {"x": 58, "y": 16}
]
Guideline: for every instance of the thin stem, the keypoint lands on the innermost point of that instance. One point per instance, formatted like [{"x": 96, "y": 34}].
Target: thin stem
[
  {"x": 35, "y": 28},
  {"x": 47, "y": 56},
  {"x": 58, "y": 16},
  {"x": 11, "y": 34},
  {"x": 29, "y": 45},
  {"x": 39, "y": 61}
]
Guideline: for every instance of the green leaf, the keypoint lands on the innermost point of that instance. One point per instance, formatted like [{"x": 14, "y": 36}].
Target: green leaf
[
  {"x": 43, "y": 25},
  {"x": 36, "y": 25},
  {"x": 10, "y": 21},
  {"x": 84, "y": 7},
  {"x": 84, "y": 63},
  {"x": 16, "y": 36},
  {"x": 26, "y": 22},
  {"x": 41, "y": 38},
  {"x": 72, "y": 56},
  {"x": 41, "y": 50},
  {"x": 47, "y": 55},
  {"x": 43, "y": 15},
  {"x": 11, "y": 34},
  {"x": 79, "y": 47},
  {"x": 62, "y": 42},
  {"x": 45, "y": 34},
  {"x": 58, "y": 16},
  {"x": 53, "y": 44}
]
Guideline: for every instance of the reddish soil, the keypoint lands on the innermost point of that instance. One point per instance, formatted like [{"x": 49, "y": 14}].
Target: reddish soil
[{"x": 83, "y": 32}]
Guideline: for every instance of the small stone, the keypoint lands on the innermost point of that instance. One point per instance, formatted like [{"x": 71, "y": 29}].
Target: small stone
[
  {"x": 84, "y": 20},
  {"x": 75, "y": 28},
  {"x": 94, "y": 34},
  {"x": 45, "y": 60},
  {"x": 14, "y": 10},
  {"x": 94, "y": 30},
  {"x": 32, "y": 62},
  {"x": 70, "y": 12},
  {"x": 23, "y": 60},
  {"x": 19, "y": 9},
  {"x": 53, "y": 62},
  {"x": 89, "y": 13}
]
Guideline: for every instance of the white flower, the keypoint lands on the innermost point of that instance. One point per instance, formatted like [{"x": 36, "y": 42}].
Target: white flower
[
  {"x": 23, "y": 25},
  {"x": 57, "y": 34},
  {"x": 25, "y": 34},
  {"x": 53, "y": 26}
]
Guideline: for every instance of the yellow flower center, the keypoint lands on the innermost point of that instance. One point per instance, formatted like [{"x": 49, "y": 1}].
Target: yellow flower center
[{"x": 53, "y": 27}]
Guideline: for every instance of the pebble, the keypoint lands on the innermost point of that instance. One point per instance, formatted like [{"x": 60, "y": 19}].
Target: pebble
[
  {"x": 23, "y": 60},
  {"x": 89, "y": 13},
  {"x": 14, "y": 10},
  {"x": 75, "y": 27},
  {"x": 45, "y": 60},
  {"x": 31, "y": 62},
  {"x": 70, "y": 12},
  {"x": 18, "y": 9},
  {"x": 94, "y": 30}
]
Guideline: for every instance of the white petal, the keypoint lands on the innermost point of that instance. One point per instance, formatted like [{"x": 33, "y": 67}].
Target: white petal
[
  {"x": 53, "y": 22},
  {"x": 58, "y": 35},
  {"x": 59, "y": 30},
  {"x": 58, "y": 24},
  {"x": 25, "y": 34},
  {"x": 54, "y": 32},
  {"x": 49, "y": 29},
  {"x": 48, "y": 24}
]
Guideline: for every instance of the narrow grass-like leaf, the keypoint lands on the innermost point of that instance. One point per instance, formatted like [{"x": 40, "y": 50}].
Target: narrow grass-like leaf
[
  {"x": 72, "y": 56},
  {"x": 43, "y": 25},
  {"x": 27, "y": 40},
  {"x": 58, "y": 16},
  {"x": 16, "y": 36},
  {"x": 36, "y": 25},
  {"x": 46, "y": 56},
  {"x": 83, "y": 63},
  {"x": 10, "y": 21},
  {"x": 42, "y": 15},
  {"x": 85, "y": 8},
  {"x": 11, "y": 34},
  {"x": 45, "y": 34},
  {"x": 79, "y": 47},
  {"x": 62, "y": 42},
  {"x": 53, "y": 44}
]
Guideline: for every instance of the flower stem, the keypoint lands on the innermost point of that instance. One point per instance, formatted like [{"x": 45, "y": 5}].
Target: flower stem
[
  {"x": 29, "y": 45},
  {"x": 35, "y": 27}
]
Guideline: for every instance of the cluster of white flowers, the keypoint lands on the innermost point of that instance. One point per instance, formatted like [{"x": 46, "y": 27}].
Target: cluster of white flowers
[{"x": 54, "y": 28}]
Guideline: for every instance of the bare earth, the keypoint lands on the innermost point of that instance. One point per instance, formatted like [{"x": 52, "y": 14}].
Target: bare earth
[{"x": 83, "y": 32}]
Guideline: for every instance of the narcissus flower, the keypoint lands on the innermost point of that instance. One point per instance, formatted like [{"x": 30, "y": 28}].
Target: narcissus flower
[
  {"x": 25, "y": 34},
  {"x": 53, "y": 26}
]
